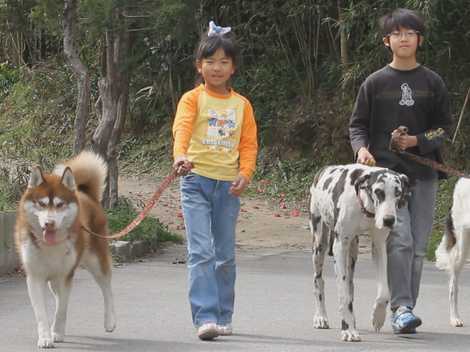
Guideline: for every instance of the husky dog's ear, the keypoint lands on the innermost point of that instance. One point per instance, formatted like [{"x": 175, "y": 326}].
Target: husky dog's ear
[
  {"x": 36, "y": 177},
  {"x": 68, "y": 180}
]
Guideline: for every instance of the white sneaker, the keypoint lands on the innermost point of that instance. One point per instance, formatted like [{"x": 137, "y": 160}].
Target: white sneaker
[
  {"x": 225, "y": 330},
  {"x": 207, "y": 331}
]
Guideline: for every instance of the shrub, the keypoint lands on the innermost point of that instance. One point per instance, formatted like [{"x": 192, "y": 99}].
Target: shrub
[{"x": 150, "y": 230}]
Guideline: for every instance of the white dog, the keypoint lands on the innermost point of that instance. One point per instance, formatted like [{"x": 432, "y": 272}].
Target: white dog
[
  {"x": 455, "y": 244},
  {"x": 347, "y": 201}
]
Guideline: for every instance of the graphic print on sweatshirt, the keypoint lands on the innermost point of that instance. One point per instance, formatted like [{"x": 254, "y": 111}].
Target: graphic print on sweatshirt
[
  {"x": 406, "y": 95},
  {"x": 221, "y": 127}
]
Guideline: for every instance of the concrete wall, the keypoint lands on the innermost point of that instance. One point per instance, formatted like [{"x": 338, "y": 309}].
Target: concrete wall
[{"x": 8, "y": 257}]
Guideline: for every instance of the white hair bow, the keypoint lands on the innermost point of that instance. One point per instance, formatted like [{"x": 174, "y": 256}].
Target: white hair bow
[{"x": 217, "y": 30}]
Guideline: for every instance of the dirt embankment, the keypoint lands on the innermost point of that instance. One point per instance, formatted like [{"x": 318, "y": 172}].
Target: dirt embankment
[{"x": 262, "y": 223}]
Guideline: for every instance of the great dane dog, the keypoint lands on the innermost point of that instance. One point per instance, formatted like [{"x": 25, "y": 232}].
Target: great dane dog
[
  {"x": 454, "y": 248},
  {"x": 347, "y": 201}
]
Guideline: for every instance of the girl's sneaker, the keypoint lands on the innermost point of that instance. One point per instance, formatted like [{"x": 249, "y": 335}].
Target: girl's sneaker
[
  {"x": 225, "y": 330},
  {"x": 207, "y": 331}
]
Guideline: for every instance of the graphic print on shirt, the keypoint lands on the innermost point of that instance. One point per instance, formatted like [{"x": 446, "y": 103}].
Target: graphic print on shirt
[
  {"x": 406, "y": 95},
  {"x": 221, "y": 126}
]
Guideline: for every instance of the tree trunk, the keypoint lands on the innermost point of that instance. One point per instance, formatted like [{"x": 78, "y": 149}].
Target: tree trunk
[
  {"x": 113, "y": 147},
  {"x": 119, "y": 124},
  {"x": 108, "y": 88},
  {"x": 81, "y": 71},
  {"x": 114, "y": 92}
]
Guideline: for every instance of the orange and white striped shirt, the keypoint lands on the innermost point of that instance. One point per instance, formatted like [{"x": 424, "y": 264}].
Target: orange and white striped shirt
[{"x": 217, "y": 133}]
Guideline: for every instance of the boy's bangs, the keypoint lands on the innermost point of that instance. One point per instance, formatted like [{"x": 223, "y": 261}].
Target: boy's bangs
[{"x": 401, "y": 18}]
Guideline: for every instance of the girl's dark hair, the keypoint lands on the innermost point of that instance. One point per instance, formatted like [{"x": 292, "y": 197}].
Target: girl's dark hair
[
  {"x": 402, "y": 18},
  {"x": 209, "y": 45}
]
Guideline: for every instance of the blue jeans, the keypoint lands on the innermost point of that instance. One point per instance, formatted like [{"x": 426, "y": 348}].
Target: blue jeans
[{"x": 210, "y": 214}]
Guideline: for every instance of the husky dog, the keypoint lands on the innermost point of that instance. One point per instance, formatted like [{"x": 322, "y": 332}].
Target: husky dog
[
  {"x": 453, "y": 250},
  {"x": 52, "y": 242}
]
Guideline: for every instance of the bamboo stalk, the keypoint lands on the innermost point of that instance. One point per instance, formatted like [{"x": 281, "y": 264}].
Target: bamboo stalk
[{"x": 461, "y": 116}]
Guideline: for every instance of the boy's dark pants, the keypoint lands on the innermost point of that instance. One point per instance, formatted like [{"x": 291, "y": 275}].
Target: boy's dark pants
[{"x": 407, "y": 242}]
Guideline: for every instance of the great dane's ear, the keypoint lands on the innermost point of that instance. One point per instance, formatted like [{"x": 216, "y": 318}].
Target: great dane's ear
[
  {"x": 360, "y": 181},
  {"x": 405, "y": 191}
]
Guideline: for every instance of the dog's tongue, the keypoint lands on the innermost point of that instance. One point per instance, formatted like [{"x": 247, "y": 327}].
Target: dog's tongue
[{"x": 49, "y": 236}]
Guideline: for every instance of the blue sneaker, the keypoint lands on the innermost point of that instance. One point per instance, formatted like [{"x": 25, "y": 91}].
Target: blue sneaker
[{"x": 404, "y": 321}]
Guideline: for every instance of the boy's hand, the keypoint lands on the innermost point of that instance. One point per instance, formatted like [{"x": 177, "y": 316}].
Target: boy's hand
[
  {"x": 403, "y": 140},
  {"x": 364, "y": 157},
  {"x": 239, "y": 185},
  {"x": 182, "y": 165}
]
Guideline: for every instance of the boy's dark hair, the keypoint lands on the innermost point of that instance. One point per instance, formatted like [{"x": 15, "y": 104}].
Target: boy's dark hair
[
  {"x": 209, "y": 45},
  {"x": 402, "y": 18}
]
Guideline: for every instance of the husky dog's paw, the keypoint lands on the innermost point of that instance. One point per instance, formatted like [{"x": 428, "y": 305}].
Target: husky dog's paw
[
  {"x": 45, "y": 342},
  {"x": 320, "y": 322},
  {"x": 378, "y": 316},
  {"x": 350, "y": 336},
  {"x": 457, "y": 322}
]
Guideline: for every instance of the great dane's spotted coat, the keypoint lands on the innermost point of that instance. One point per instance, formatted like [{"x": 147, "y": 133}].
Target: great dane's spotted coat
[{"x": 347, "y": 201}]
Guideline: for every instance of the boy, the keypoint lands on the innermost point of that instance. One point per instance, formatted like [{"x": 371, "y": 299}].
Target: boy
[{"x": 403, "y": 93}]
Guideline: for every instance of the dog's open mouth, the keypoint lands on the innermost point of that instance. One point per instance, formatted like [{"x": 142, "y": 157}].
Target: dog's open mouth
[{"x": 49, "y": 236}]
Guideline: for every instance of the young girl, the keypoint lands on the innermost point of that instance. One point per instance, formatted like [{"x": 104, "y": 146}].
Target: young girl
[{"x": 215, "y": 149}]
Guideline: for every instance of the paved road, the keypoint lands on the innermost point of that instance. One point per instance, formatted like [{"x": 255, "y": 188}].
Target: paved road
[{"x": 273, "y": 311}]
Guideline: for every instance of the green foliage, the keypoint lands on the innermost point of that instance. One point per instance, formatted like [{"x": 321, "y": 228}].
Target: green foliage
[
  {"x": 13, "y": 180},
  {"x": 147, "y": 153},
  {"x": 45, "y": 15},
  {"x": 150, "y": 230},
  {"x": 36, "y": 118},
  {"x": 7, "y": 193},
  {"x": 9, "y": 75},
  {"x": 288, "y": 180}
]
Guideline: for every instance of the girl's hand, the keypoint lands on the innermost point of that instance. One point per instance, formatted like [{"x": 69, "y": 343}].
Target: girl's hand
[
  {"x": 365, "y": 157},
  {"x": 182, "y": 165},
  {"x": 239, "y": 185}
]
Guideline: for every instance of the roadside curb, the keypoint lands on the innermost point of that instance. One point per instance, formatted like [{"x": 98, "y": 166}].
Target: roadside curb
[{"x": 126, "y": 251}]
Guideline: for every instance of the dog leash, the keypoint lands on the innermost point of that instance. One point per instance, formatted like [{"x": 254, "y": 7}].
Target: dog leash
[
  {"x": 425, "y": 161},
  {"x": 141, "y": 216}
]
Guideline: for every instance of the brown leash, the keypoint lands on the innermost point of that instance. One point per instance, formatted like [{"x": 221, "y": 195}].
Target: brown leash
[
  {"x": 425, "y": 161},
  {"x": 141, "y": 216}
]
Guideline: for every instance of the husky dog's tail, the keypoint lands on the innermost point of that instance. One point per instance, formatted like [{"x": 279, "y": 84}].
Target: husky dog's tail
[
  {"x": 90, "y": 172},
  {"x": 444, "y": 252}
]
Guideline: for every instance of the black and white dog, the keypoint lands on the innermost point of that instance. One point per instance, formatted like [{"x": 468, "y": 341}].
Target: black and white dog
[
  {"x": 454, "y": 248},
  {"x": 347, "y": 201}
]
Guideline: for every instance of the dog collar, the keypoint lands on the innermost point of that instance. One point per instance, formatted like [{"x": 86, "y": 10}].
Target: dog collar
[{"x": 363, "y": 208}]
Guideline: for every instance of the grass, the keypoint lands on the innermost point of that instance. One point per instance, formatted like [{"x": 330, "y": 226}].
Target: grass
[{"x": 150, "y": 230}]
